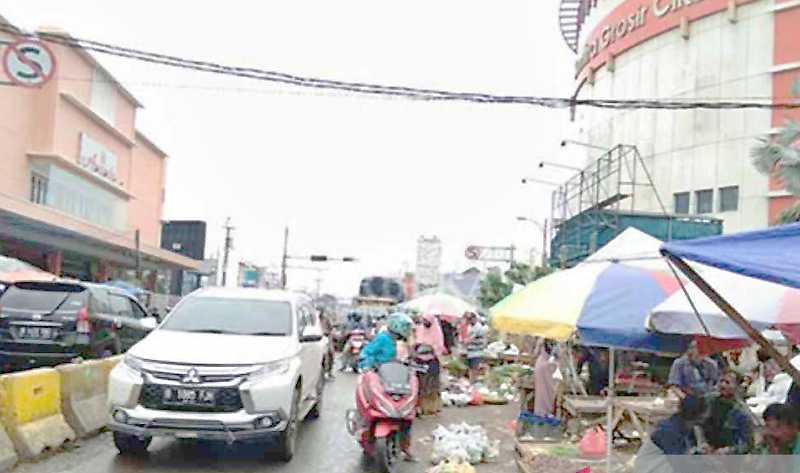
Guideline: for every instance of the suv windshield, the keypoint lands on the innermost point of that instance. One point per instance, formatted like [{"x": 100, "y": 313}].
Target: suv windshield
[
  {"x": 43, "y": 298},
  {"x": 231, "y": 316}
]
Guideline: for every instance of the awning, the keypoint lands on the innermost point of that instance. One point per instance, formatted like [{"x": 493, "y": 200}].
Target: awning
[{"x": 772, "y": 254}]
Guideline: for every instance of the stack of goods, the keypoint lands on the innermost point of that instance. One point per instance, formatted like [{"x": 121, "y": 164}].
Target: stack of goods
[
  {"x": 501, "y": 383},
  {"x": 531, "y": 427},
  {"x": 456, "y": 367},
  {"x": 498, "y": 348},
  {"x": 558, "y": 458},
  {"x": 463, "y": 443},
  {"x": 447, "y": 466},
  {"x": 461, "y": 394}
]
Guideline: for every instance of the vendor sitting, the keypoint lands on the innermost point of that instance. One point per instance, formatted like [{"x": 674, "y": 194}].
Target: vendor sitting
[
  {"x": 693, "y": 373},
  {"x": 728, "y": 429},
  {"x": 781, "y": 431},
  {"x": 671, "y": 439}
]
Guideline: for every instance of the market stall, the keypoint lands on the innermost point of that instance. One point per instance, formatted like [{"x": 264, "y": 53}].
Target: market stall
[
  {"x": 604, "y": 303},
  {"x": 768, "y": 255}
]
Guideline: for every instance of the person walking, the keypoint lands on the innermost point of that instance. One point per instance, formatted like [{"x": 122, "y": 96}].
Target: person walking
[
  {"x": 476, "y": 342},
  {"x": 429, "y": 348}
]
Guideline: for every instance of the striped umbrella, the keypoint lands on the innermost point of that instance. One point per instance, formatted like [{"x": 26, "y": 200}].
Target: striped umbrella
[{"x": 606, "y": 303}]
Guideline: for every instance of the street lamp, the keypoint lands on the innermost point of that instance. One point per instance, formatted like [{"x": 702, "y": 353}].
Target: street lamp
[
  {"x": 585, "y": 145},
  {"x": 543, "y": 228},
  {"x": 542, "y": 164},
  {"x": 533, "y": 180}
]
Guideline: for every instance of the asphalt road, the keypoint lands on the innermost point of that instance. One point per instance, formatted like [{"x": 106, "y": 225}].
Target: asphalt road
[{"x": 324, "y": 446}]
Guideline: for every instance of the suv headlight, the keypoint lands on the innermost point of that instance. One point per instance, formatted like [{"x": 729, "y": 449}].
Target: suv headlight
[
  {"x": 132, "y": 363},
  {"x": 273, "y": 368}
]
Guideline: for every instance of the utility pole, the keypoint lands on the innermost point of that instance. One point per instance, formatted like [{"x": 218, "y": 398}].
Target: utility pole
[
  {"x": 137, "y": 238},
  {"x": 226, "y": 250},
  {"x": 285, "y": 256}
]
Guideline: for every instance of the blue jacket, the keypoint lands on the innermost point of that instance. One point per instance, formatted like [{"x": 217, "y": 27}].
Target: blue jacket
[{"x": 380, "y": 350}]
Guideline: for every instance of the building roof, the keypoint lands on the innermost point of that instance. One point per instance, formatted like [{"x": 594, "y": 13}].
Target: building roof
[
  {"x": 140, "y": 136},
  {"x": 88, "y": 57}
]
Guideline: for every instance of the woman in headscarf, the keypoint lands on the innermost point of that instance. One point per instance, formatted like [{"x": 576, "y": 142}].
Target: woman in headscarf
[
  {"x": 545, "y": 383},
  {"x": 429, "y": 348}
]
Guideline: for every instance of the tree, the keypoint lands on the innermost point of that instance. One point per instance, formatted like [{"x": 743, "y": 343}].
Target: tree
[
  {"x": 495, "y": 287},
  {"x": 780, "y": 157}
]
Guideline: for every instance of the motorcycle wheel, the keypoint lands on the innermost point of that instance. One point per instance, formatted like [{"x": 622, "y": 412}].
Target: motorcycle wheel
[{"x": 387, "y": 452}]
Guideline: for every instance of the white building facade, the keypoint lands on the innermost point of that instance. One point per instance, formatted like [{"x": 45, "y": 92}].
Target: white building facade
[{"x": 692, "y": 50}]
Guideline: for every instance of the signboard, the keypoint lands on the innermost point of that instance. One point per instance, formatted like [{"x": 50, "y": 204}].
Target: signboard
[
  {"x": 429, "y": 261},
  {"x": 490, "y": 253},
  {"x": 98, "y": 159},
  {"x": 29, "y": 63},
  {"x": 635, "y": 21}
]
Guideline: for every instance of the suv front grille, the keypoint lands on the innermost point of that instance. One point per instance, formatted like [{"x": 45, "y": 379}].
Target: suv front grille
[{"x": 226, "y": 400}]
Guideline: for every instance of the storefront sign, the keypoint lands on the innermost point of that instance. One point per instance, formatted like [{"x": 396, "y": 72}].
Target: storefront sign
[
  {"x": 638, "y": 20},
  {"x": 97, "y": 158}
]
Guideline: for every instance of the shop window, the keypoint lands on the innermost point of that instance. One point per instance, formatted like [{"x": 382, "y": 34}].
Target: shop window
[
  {"x": 38, "y": 189},
  {"x": 704, "y": 201},
  {"x": 729, "y": 199},
  {"x": 103, "y": 101},
  {"x": 681, "y": 203}
]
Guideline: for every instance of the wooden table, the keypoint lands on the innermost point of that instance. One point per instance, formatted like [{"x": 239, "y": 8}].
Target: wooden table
[{"x": 641, "y": 411}]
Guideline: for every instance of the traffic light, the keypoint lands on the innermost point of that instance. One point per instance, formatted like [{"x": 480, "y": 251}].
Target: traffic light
[{"x": 319, "y": 258}]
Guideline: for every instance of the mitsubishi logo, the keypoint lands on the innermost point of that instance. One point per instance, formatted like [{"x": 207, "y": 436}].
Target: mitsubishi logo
[{"x": 192, "y": 377}]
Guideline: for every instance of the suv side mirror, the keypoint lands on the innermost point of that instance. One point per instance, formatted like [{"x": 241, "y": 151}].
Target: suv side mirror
[{"x": 149, "y": 323}]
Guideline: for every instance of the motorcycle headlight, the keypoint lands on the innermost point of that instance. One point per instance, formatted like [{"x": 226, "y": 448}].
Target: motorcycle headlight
[
  {"x": 133, "y": 363},
  {"x": 273, "y": 368}
]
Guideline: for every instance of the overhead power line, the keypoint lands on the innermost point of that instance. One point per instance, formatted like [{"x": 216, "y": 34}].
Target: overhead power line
[{"x": 390, "y": 90}]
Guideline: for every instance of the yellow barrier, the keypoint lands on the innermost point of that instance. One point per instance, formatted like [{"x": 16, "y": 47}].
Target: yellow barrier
[
  {"x": 83, "y": 396},
  {"x": 30, "y": 408}
]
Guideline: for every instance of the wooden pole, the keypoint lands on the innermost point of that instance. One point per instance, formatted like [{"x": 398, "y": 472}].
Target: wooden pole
[{"x": 737, "y": 318}]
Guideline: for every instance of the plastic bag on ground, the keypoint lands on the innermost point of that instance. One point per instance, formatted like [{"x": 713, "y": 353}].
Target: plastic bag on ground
[
  {"x": 462, "y": 443},
  {"x": 593, "y": 443}
]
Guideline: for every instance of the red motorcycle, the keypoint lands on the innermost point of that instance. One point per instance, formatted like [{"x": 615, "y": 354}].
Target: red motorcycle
[{"x": 386, "y": 405}]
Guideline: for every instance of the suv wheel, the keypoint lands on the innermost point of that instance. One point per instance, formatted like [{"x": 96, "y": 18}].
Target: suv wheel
[
  {"x": 287, "y": 439},
  {"x": 316, "y": 411},
  {"x": 131, "y": 445}
]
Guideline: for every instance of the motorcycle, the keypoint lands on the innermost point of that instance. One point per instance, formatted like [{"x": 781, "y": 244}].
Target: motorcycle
[
  {"x": 356, "y": 341},
  {"x": 386, "y": 405}
]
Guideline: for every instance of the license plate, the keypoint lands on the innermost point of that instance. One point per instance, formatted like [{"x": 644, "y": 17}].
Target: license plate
[
  {"x": 189, "y": 397},
  {"x": 37, "y": 333}
]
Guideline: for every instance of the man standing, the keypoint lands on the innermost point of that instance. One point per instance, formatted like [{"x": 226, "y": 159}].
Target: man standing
[{"x": 693, "y": 373}]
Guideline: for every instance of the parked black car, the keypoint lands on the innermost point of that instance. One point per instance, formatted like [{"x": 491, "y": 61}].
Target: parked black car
[{"x": 47, "y": 323}]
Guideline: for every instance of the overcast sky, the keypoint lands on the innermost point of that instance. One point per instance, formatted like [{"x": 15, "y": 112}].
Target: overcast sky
[{"x": 350, "y": 175}]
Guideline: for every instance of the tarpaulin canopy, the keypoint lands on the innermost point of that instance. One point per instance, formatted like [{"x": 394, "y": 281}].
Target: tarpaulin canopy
[
  {"x": 771, "y": 254},
  {"x": 764, "y": 304}
]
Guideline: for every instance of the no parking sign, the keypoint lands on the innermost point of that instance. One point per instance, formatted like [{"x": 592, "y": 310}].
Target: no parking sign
[{"x": 29, "y": 63}]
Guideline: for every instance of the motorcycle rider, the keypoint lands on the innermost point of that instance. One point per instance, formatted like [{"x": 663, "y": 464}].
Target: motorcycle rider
[
  {"x": 354, "y": 322},
  {"x": 382, "y": 349}
]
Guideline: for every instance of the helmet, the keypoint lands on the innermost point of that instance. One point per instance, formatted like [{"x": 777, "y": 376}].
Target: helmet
[{"x": 400, "y": 324}]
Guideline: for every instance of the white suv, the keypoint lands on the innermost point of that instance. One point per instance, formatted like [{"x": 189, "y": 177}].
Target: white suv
[{"x": 225, "y": 364}]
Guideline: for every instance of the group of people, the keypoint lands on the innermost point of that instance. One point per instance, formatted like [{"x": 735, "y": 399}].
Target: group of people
[
  {"x": 713, "y": 419},
  {"x": 422, "y": 341}
]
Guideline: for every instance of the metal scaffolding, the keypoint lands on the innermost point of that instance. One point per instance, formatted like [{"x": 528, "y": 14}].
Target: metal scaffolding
[{"x": 590, "y": 202}]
